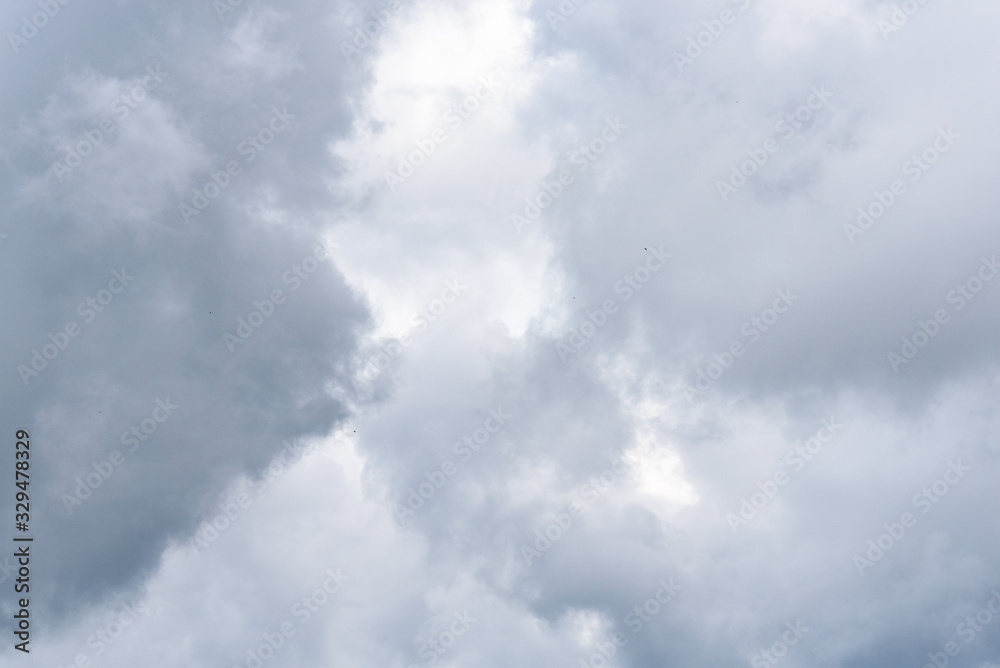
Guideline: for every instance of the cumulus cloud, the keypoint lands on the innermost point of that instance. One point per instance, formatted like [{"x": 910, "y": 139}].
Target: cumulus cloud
[{"x": 553, "y": 333}]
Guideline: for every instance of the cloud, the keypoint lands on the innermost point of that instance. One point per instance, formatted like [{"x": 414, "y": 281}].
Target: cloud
[{"x": 572, "y": 289}]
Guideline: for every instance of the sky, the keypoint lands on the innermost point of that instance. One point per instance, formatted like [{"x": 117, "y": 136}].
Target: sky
[{"x": 436, "y": 332}]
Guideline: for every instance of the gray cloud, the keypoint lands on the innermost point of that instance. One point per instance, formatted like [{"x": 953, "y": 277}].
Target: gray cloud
[{"x": 706, "y": 372}]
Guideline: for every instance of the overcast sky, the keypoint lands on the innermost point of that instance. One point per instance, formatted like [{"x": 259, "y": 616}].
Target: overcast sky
[{"x": 426, "y": 332}]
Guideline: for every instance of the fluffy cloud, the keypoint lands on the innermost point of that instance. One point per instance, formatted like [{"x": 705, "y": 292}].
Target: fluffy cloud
[{"x": 635, "y": 334}]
